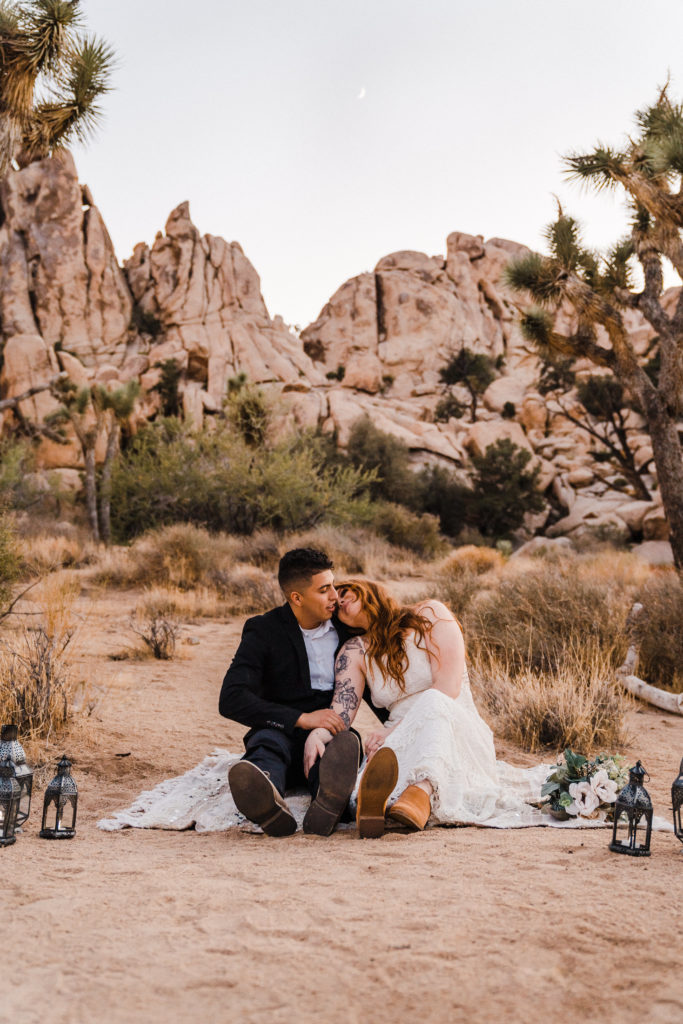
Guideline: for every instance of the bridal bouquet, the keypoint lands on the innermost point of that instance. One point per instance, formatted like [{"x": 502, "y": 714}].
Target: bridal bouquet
[{"x": 581, "y": 788}]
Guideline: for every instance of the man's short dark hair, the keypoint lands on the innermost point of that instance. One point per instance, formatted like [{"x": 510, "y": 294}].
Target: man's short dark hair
[{"x": 297, "y": 566}]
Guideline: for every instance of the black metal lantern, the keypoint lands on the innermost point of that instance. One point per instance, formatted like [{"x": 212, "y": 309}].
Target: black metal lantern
[
  {"x": 677, "y": 803},
  {"x": 12, "y": 748},
  {"x": 59, "y": 806},
  {"x": 633, "y": 816},
  {"x": 9, "y": 803}
]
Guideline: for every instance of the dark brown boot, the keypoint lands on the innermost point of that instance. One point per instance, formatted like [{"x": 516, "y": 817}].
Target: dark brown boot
[
  {"x": 258, "y": 800},
  {"x": 338, "y": 774}
]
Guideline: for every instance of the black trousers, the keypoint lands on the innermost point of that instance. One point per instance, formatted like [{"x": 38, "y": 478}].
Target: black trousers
[{"x": 282, "y": 757}]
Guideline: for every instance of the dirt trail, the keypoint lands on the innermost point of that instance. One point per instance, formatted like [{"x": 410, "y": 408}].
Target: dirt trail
[{"x": 451, "y": 925}]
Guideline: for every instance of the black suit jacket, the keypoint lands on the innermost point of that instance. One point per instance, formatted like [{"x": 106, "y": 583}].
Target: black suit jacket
[{"x": 268, "y": 683}]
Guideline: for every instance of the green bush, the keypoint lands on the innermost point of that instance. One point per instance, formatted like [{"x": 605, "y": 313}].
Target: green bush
[
  {"x": 247, "y": 409},
  {"x": 503, "y": 490},
  {"x": 418, "y": 532},
  {"x": 370, "y": 448},
  {"x": 17, "y": 462},
  {"x": 446, "y": 497},
  {"x": 170, "y": 474}
]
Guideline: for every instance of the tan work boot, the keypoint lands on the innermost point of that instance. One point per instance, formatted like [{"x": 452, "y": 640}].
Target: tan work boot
[{"x": 412, "y": 808}]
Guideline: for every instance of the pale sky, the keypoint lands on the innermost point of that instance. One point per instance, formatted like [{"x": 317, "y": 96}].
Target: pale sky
[{"x": 325, "y": 134}]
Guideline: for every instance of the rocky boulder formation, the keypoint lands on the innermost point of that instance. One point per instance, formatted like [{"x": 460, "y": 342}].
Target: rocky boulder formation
[{"x": 377, "y": 347}]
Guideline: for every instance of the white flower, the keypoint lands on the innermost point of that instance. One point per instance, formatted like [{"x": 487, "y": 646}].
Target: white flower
[
  {"x": 585, "y": 802},
  {"x": 604, "y": 788}
]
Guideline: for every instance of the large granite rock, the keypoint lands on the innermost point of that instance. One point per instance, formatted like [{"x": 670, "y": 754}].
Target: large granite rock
[
  {"x": 60, "y": 276},
  {"x": 377, "y": 347}
]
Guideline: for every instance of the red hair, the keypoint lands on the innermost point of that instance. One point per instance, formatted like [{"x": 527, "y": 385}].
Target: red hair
[{"x": 387, "y": 623}]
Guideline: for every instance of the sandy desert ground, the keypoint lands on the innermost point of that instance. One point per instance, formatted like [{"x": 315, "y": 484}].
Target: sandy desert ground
[{"x": 450, "y": 925}]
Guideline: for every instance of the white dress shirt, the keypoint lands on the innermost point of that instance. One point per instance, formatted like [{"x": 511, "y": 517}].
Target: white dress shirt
[{"x": 321, "y": 643}]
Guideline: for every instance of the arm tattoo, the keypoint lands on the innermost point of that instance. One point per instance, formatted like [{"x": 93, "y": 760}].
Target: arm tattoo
[{"x": 346, "y": 697}]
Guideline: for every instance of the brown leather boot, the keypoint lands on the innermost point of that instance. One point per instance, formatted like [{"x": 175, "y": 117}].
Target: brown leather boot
[
  {"x": 379, "y": 779},
  {"x": 412, "y": 808}
]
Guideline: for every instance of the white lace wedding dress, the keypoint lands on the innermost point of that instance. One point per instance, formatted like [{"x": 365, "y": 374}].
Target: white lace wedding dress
[
  {"x": 447, "y": 742},
  {"x": 436, "y": 738}
]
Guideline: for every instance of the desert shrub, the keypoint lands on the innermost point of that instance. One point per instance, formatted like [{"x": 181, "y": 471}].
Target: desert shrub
[
  {"x": 248, "y": 410},
  {"x": 445, "y": 496},
  {"x": 538, "y": 612},
  {"x": 417, "y": 532},
  {"x": 471, "y": 560},
  {"x": 578, "y": 705},
  {"x": 167, "y": 386},
  {"x": 246, "y": 590},
  {"x": 45, "y": 553},
  {"x": 448, "y": 408},
  {"x": 503, "y": 489},
  {"x": 370, "y": 448},
  {"x": 37, "y": 685},
  {"x": 214, "y": 479},
  {"x": 158, "y": 633},
  {"x": 458, "y": 577},
  {"x": 263, "y": 549},
  {"x": 17, "y": 462},
  {"x": 659, "y": 631},
  {"x": 9, "y": 559},
  {"x": 37, "y": 688},
  {"x": 358, "y": 550},
  {"x": 181, "y": 555}
]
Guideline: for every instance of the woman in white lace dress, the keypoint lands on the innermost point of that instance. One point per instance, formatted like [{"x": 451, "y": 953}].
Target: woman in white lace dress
[{"x": 434, "y": 760}]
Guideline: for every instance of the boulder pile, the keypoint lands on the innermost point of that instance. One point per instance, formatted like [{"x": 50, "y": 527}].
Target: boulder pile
[{"x": 377, "y": 347}]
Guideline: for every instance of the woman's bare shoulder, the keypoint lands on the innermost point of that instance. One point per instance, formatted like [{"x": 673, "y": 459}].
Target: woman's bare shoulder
[{"x": 435, "y": 610}]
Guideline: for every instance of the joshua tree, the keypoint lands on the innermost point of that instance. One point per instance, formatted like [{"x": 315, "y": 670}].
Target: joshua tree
[
  {"x": 601, "y": 410},
  {"x": 94, "y": 412},
  {"x": 473, "y": 369},
  {"x": 51, "y": 77},
  {"x": 599, "y": 290}
]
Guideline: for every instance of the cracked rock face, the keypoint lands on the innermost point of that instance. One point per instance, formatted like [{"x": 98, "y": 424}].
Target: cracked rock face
[
  {"x": 60, "y": 276},
  {"x": 376, "y": 348},
  {"x": 204, "y": 298}
]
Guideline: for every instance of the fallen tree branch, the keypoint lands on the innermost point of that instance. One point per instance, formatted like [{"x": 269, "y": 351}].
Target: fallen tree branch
[{"x": 663, "y": 699}]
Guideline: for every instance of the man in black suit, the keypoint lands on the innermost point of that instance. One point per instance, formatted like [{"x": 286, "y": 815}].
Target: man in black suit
[{"x": 280, "y": 684}]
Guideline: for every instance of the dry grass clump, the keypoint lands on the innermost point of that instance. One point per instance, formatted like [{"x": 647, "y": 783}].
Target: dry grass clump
[
  {"x": 37, "y": 687},
  {"x": 246, "y": 590},
  {"x": 577, "y": 705},
  {"x": 358, "y": 550},
  {"x": 263, "y": 549},
  {"x": 659, "y": 631},
  {"x": 471, "y": 560},
  {"x": 180, "y": 556},
  {"x": 186, "y": 605},
  {"x": 536, "y": 612},
  {"x": 46, "y": 553},
  {"x": 459, "y": 575}
]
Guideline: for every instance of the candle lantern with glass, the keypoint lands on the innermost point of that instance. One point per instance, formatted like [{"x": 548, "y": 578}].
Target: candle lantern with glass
[
  {"x": 677, "y": 804},
  {"x": 12, "y": 748},
  {"x": 633, "y": 816},
  {"x": 9, "y": 803},
  {"x": 59, "y": 805}
]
